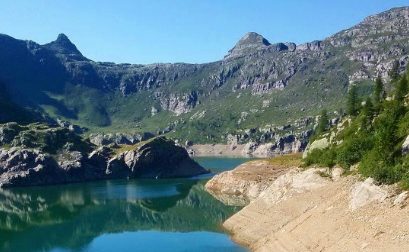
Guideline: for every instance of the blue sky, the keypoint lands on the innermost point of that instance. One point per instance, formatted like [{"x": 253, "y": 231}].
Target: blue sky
[{"x": 194, "y": 31}]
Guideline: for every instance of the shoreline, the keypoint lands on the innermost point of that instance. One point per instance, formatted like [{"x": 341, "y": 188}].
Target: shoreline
[
  {"x": 237, "y": 150},
  {"x": 303, "y": 210},
  {"x": 216, "y": 150}
]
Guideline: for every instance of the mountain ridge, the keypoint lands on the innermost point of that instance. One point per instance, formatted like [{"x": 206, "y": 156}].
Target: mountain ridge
[{"x": 257, "y": 85}]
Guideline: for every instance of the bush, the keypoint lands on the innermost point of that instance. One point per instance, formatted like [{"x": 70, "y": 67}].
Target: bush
[
  {"x": 325, "y": 157},
  {"x": 352, "y": 150},
  {"x": 372, "y": 165}
]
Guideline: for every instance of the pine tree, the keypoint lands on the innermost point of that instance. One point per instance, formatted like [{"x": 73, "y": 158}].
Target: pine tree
[
  {"x": 401, "y": 88},
  {"x": 368, "y": 109},
  {"x": 368, "y": 114},
  {"x": 323, "y": 122},
  {"x": 353, "y": 101},
  {"x": 378, "y": 93},
  {"x": 394, "y": 72},
  {"x": 407, "y": 72}
]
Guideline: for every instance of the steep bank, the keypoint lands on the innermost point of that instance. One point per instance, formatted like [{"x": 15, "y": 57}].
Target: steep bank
[
  {"x": 244, "y": 184},
  {"x": 314, "y": 210},
  {"x": 40, "y": 155}
]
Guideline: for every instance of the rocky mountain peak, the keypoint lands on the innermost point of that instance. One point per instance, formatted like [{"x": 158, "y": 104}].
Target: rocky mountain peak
[
  {"x": 63, "y": 45},
  {"x": 250, "y": 42},
  {"x": 63, "y": 39}
]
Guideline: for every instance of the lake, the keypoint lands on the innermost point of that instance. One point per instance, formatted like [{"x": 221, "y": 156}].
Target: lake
[{"x": 118, "y": 215}]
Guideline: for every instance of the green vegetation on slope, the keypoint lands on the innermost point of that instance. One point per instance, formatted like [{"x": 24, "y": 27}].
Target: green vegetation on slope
[{"x": 372, "y": 136}]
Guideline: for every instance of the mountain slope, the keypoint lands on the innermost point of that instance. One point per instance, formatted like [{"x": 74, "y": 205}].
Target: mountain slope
[{"x": 256, "y": 85}]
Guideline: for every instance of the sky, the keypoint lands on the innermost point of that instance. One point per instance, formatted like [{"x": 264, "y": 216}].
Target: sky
[{"x": 191, "y": 31}]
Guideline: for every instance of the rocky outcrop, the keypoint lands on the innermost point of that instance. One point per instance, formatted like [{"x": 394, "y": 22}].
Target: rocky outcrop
[
  {"x": 243, "y": 184},
  {"x": 179, "y": 104},
  {"x": 249, "y": 43},
  {"x": 20, "y": 167},
  {"x": 101, "y": 139},
  {"x": 366, "y": 192},
  {"x": 158, "y": 158},
  {"x": 40, "y": 156},
  {"x": 318, "y": 144}
]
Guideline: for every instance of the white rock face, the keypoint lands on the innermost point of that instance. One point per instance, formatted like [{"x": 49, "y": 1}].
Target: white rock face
[
  {"x": 405, "y": 146},
  {"x": 336, "y": 173},
  {"x": 292, "y": 182},
  {"x": 264, "y": 150},
  {"x": 401, "y": 199},
  {"x": 249, "y": 148},
  {"x": 363, "y": 193},
  {"x": 318, "y": 144}
]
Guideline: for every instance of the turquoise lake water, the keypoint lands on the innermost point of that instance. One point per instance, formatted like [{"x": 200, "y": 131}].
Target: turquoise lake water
[{"x": 118, "y": 215}]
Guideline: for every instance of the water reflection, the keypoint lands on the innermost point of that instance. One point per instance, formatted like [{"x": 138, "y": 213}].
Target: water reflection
[{"x": 71, "y": 216}]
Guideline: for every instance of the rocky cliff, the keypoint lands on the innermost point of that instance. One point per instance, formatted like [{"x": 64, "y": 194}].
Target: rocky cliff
[{"x": 39, "y": 155}]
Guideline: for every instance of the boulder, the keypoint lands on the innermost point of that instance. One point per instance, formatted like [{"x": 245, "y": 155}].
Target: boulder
[
  {"x": 21, "y": 167},
  {"x": 318, "y": 144},
  {"x": 400, "y": 200},
  {"x": 366, "y": 192}
]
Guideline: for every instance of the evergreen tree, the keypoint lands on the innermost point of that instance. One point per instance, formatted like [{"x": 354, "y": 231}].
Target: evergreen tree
[
  {"x": 407, "y": 72},
  {"x": 353, "y": 101},
  {"x": 368, "y": 109},
  {"x": 367, "y": 114},
  {"x": 378, "y": 93},
  {"x": 401, "y": 88},
  {"x": 394, "y": 72},
  {"x": 323, "y": 122}
]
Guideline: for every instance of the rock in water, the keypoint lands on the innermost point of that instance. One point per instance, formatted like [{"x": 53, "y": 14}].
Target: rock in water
[{"x": 156, "y": 158}]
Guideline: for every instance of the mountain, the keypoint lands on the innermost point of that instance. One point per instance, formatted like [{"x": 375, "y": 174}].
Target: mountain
[{"x": 257, "y": 87}]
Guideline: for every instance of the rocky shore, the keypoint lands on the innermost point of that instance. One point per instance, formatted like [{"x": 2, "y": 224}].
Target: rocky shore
[
  {"x": 312, "y": 210},
  {"x": 39, "y": 155}
]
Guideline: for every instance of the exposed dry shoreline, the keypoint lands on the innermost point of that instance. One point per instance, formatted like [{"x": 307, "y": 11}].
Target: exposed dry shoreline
[
  {"x": 312, "y": 210},
  {"x": 236, "y": 150},
  {"x": 206, "y": 150}
]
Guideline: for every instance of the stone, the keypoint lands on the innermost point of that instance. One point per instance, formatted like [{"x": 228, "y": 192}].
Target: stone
[
  {"x": 400, "y": 200},
  {"x": 336, "y": 173},
  {"x": 405, "y": 146},
  {"x": 318, "y": 144},
  {"x": 366, "y": 192},
  {"x": 293, "y": 182}
]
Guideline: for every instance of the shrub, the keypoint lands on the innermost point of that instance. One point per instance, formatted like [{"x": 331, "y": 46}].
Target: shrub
[
  {"x": 352, "y": 150},
  {"x": 372, "y": 165},
  {"x": 325, "y": 157}
]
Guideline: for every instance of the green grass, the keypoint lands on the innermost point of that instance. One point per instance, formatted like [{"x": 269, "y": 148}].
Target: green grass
[{"x": 287, "y": 161}]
